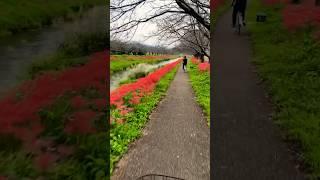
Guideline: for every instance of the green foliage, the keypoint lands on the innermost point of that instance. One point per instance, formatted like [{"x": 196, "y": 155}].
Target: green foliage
[
  {"x": 73, "y": 52},
  {"x": 19, "y": 15},
  {"x": 289, "y": 63},
  {"x": 200, "y": 82},
  {"x": 16, "y": 165},
  {"x": 84, "y": 44},
  {"x": 124, "y": 62},
  {"x": 122, "y": 135}
]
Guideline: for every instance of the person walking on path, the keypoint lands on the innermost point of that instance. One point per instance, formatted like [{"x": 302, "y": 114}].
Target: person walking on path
[
  {"x": 238, "y": 6},
  {"x": 184, "y": 64}
]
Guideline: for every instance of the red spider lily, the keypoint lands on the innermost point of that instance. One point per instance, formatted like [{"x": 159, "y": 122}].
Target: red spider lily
[
  {"x": 120, "y": 121},
  {"x": 100, "y": 103},
  {"x": 195, "y": 60},
  {"x": 204, "y": 66},
  {"x": 3, "y": 178},
  {"x": 45, "y": 161},
  {"x": 65, "y": 150},
  {"x": 141, "y": 86},
  {"x": 44, "y": 90},
  {"x": 124, "y": 111},
  {"x": 135, "y": 99},
  {"x": 24, "y": 134},
  {"x": 81, "y": 123},
  {"x": 295, "y": 16},
  {"x": 78, "y": 102}
]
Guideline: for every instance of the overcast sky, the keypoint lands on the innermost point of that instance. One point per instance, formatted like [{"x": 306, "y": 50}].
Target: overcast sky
[
  {"x": 142, "y": 33},
  {"x": 145, "y": 29}
]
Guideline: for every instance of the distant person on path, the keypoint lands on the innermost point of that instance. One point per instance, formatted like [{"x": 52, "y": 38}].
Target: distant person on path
[
  {"x": 238, "y": 6},
  {"x": 184, "y": 64}
]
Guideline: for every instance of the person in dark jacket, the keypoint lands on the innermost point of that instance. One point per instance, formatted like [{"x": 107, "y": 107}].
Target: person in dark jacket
[
  {"x": 184, "y": 63},
  {"x": 238, "y": 6}
]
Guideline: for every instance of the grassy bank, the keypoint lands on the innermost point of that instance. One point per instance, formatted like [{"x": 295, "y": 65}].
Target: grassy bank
[
  {"x": 122, "y": 135},
  {"x": 289, "y": 65},
  {"x": 121, "y": 62},
  {"x": 58, "y": 151},
  {"x": 20, "y": 15},
  {"x": 73, "y": 52},
  {"x": 200, "y": 82},
  {"x": 80, "y": 156}
]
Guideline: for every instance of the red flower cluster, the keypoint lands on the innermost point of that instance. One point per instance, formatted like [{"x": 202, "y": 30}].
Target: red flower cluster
[
  {"x": 78, "y": 102},
  {"x": 19, "y": 117},
  {"x": 298, "y": 15},
  {"x": 204, "y": 66},
  {"x": 44, "y": 161},
  {"x": 43, "y": 91},
  {"x": 80, "y": 123},
  {"x": 295, "y": 16},
  {"x": 195, "y": 60},
  {"x": 138, "y": 89}
]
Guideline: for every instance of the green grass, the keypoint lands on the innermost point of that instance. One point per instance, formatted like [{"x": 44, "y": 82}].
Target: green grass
[
  {"x": 122, "y": 135},
  {"x": 200, "y": 82},
  {"x": 20, "y": 15},
  {"x": 289, "y": 63},
  {"x": 73, "y": 52},
  {"x": 124, "y": 62}
]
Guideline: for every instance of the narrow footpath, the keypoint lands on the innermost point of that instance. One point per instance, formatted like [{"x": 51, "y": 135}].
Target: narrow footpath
[
  {"x": 245, "y": 142},
  {"x": 175, "y": 141}
]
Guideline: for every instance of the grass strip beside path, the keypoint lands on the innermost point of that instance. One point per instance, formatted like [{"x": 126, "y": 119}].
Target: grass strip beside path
[
  {"x": 288, "y": 62},
  {"x": 200, "y": 82},
  {"x": 121, "y": 135}
]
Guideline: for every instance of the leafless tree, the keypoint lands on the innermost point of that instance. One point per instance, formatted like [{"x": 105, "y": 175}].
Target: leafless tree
[
  {"x": 186, "y": 22},
  {"x": 186, "y": 31}
]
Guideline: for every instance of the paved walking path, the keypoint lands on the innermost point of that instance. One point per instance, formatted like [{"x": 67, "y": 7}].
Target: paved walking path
[
  {"x": 246, "y": 144},
  {"x": 175, "y": 141}
]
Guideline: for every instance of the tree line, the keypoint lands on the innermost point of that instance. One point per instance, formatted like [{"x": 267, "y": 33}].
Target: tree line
[{"x": 136, "y": 48}]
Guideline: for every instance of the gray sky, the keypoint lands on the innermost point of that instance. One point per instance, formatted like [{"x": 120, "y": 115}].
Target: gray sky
[
  {"x": 142, "y": 33},
  {"x": 145, "y": 29}
]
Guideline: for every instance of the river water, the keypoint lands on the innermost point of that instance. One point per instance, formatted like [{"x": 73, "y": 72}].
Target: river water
[
  {"x": 18, "y": 51},
  {"x": 143, "y": 67}
]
